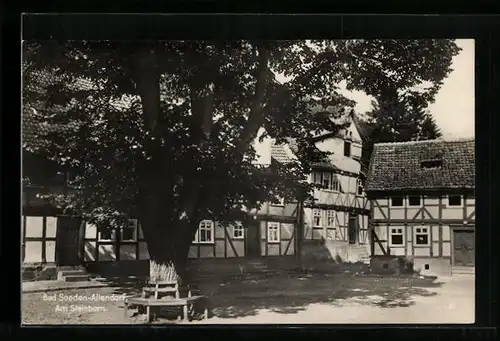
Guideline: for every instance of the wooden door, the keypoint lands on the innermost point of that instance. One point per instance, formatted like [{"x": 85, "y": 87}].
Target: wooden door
[
  {"x": 253, "y": 239},
  {"x": 353, "y": 229},
  {"x": 463, "y": 248},
  {"x": 68, "y": 241}
]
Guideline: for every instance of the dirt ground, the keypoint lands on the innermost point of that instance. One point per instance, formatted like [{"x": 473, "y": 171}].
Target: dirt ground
[{"x": 309, "y": 299}]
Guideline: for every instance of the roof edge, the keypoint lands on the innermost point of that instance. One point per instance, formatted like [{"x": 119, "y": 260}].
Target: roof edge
[{"x": 464, "y": 139}]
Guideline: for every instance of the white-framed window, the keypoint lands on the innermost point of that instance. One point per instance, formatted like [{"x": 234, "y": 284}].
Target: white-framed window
[
  {"x": 317, "y": 218},
  {"x": 205, "y": 233},
  {"x": 273, "y": 232},
  {"x": 327, "y": 180},
  {"x": 396, "y": 236},
  {"x": 414, "y": 201},
  {"x": 454, "y": 201},
  {"x": 238, "y": 231},
  {"x": 335, "y": 186},
  {"x": 129, "y": 232},
  {"x": 330, "y": 218},
  {"x": 316, "y": 178},
  {"x": 397, "y": 201},
  {"x": 422, "y": 236}
]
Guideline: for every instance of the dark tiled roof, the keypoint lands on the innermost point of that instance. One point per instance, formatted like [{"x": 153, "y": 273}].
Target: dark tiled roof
[
  {"x": 34, "y": 112},
  {"x": 398, "y": 166}
]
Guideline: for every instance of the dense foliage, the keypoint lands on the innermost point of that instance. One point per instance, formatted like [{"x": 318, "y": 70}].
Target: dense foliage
[{"x": 165, "y": 131}]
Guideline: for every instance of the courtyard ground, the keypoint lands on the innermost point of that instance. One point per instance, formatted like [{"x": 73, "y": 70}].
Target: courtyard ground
[{"x": 299, "y": 299}]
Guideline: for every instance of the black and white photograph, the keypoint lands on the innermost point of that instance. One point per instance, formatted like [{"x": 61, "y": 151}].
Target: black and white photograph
[{"x": 248, "y": 182}]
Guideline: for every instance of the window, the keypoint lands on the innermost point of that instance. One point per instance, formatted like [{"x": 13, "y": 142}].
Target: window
[
  {"x": 360, "y": 187},
  {"x": 422, "y": 236},
  {"x": 205, "y": 233},
  {"x": 335, "y": 183},
  {"x": 327, "y": 180},
  {"x": 414, "y": 200},
  {"x": 129, "y": 232},
  {"x": 317, "y": 178},
  {"x": 396, "y": 236},
  {"x": 330, "y": 219},
  {"x": 454, "y": 200},
  {"x": 396, "y": 201},
  {"x": 347, "y": 148},
  {"x": 273, "y": 232},
  {"x": 431, "y": 164},
  {"x": 106, "y": 234},
  {"x": 238, "y": 232},
  {"x": 317, "y": 218}
]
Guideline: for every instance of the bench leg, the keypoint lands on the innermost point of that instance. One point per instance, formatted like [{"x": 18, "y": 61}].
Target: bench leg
[
  {"x": 205, "y": 314},
  {"x": 185, "y": 312},
  {"x": 125, "y": 308},
  {"x": 148, "y": 314}
]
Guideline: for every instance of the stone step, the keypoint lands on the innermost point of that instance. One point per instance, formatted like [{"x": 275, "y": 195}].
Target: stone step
[
  {"x": 72, "y": 272},
  {"x": 28, "y": 275},
  {"x": 76, "y": 278}
]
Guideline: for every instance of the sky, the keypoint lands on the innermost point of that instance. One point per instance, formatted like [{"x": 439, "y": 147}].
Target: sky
[{"x": 453, "y": 108}]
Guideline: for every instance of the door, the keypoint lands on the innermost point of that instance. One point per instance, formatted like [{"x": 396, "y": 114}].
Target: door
[
  {"x": 253, "y": 239},
  {"x": 353, "y": 229},
  {"x": 463, "y": 248},
  {"x": 68, "y": 241}
]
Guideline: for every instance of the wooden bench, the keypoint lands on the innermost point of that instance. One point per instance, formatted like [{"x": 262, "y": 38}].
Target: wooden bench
[{"x": 166, "y": 302}]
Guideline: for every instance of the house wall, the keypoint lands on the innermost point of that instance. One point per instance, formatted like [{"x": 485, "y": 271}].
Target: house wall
[{"x": 435, "y": 215}]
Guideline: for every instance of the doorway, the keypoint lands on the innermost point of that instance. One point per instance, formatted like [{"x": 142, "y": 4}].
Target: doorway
[
  {"x": 253, "y": 249},
  {"x": 68, "y": 241},
  {"x": 463, "y": 248},
  {"x": 352, "y": 228}
]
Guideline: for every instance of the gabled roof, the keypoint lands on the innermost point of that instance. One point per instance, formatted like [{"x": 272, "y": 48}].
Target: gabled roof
[
  {"x": 284, "y": 153},
  {"x": 422, "y": 165}
]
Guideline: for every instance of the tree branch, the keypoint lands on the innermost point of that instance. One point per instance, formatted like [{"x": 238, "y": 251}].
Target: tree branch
[{"x": 257, "y": 115}]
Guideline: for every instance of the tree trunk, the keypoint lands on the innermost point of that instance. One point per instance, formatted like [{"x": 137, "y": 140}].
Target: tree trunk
[{"x": 168, "y": 248}]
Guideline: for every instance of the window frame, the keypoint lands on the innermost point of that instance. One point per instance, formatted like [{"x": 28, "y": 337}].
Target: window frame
[
  {"x": 348, "y": 143},
  {"x": 197, "y": 240},
  {"x": 273, "y": 226},
  {"x": 238, "y": 227},
  {"x": 418, "y": 233},
  {"x": 320, "y": 215},
  {"x": 402, "y": 234},
  {"x": 135, "y": 224},
  {"x": 447, "y": 202},
  {"x": 402, "y": 201},
  {"x": 329, "y": 176},
  {"x": 331, "y": 214},
  {"x": 112, "y": 234},
  {"x": 359, "y": 184}
]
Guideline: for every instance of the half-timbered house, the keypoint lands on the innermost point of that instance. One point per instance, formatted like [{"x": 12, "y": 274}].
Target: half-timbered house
[
  {"x": 423, "y": 204},
  {"x": 336, "y": 222}
]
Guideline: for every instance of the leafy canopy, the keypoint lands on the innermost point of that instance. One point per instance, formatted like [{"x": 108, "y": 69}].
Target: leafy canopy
[{"x": 177, "y": 120}]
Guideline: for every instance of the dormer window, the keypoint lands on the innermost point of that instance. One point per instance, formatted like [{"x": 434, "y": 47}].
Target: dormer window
[
  {"x": 431, "y": 164},
  {"x": 347, "y": 148}
]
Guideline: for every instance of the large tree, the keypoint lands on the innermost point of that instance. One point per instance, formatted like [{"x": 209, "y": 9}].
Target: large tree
[{"x": 164, "y": 131}]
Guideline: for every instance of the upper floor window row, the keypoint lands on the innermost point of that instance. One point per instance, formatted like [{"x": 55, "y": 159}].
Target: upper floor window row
[{"x": 417, "y": 201}]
